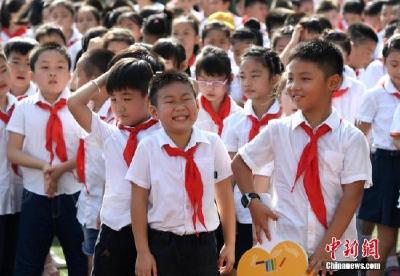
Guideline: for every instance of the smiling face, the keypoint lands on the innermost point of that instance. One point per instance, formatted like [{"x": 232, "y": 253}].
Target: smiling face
[
  {"x": 20, "y": 71},
  {"x": 392, "y": 64}
]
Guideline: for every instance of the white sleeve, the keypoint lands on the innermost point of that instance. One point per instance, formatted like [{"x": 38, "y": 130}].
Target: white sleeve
[
  {"x": 100, "y": 130},
  {"x": 222, "y": 161},
  {"x": 139, "y": 170},
  {"x": 395, "y": 128},
  {"x": 229, "y": 136},
  {"x": 367, "y": 109},
  {"x": 17, "y": 120}
]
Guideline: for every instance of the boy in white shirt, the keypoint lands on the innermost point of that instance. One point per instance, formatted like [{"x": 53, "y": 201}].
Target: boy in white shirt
[{"x": 332, "y": 155}]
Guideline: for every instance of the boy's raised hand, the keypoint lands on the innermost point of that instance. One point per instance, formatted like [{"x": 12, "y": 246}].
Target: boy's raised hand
[
  {"x": 260, "y": 214},
  {"x": 226, "y": 259},
  {"x": 145, "y": 264}
]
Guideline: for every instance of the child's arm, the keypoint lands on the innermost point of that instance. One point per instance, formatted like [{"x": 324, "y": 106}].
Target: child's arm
[
  {"x": 77, "y": 102},
  {"x": 364, "y": 127},
  {"x": 145, "y": 262},
  {"x": 351, "y": 198},
  {"x": 292, "y": 43},
  {"x": 226, "y": 210}
]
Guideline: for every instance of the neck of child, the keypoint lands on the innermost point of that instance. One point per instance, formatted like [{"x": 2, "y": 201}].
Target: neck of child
[
  {"x": 3, "y": 102},
  {"x": 19, "y": 91},
  {"x": 50, "y": 97},
  {"x": 140, "y": 121},
  {"x": 318, "y": 116},
  {"x": 180, "y": 139},
  {"x": 68, "y": 34},
  {"x": 261, "y": 106},
  {"x": 216, "y": 105},
  {"x": 98, "y": 101}
]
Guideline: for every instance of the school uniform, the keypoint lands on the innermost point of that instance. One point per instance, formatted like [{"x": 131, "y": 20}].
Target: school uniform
[
  {"x": 42, "y": 217},
  {"x": 9, "y": 197},
  {"x": 91, "y": 173},
  {"x": 349, "y": 72},
  {"x": 5, "y": 34},
  {"x": 347, "y": 98},
  {"x": 239, "y": 130},
  {"x": 395, "y": 131},
  {"x": 379, "y": 203},
  {"x": 32, "y": 90},
  {"x": 115, "y": 251},
  {"x": 74, "y": 45},
  {"x": 341, "y": 158},
  {"x": 372, "y": 74},
  {"x": 208, "y": 119},
  {"x": 181, "y": 245}
]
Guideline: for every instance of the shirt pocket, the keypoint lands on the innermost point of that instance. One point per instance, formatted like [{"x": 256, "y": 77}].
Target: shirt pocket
[{"x": 332, "y": 164}]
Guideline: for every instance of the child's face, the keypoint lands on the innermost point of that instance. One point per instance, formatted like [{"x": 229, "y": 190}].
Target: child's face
[
  {"x": 256, "y": 82},
  {"x": 333, "y": 17},
  {"x": 214, "y": 88},
  {"x": 5, "y": 78},
  {"x": 62, "y": 17},
  {"x": 392, "y": 64},
  {"x": 218, "y": 39},
  {"x": 132, "y": 27},
  {"x": 80, "y": 77},
  {"x": 288, "y": 106},
  {"x": 257, "y": 10},
  {"x": 308, "y": 86},
  {"x": 85, "y": 20},
  {"x": 51, "y": 72},
  {"x": 117, "y": 46},
  {"x": 238, "y": 48},
  {"x": 388, "y": 14},
  {"x": 281, "y": 44},
  {"x": 20, "y": 70},
  {"x": 362, "y": 54},
  {"x": 352, "y": 18},
  {"x": 186, "y": 35},
  {"x": 53, "y": 38},
  {"x": 176, "y": 108},
  {"x": 129, "y": 106}
]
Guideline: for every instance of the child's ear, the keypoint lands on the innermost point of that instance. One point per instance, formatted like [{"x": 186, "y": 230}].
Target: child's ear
[
  {"x": 153, "y": 111},
  {"x": 334, "y": 82}
]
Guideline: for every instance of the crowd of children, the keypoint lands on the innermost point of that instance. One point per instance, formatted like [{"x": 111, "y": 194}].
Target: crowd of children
[{"x": 143, "y": 134}]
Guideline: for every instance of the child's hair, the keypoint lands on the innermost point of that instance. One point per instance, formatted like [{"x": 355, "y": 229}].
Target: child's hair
[
  {"x": 267, "y": 57},
  {"x": 360, "y": 32},
  {"x": 139, "y": 72},
  {"x": 294, "y": 19},
  {"x": 7, "y": 8},
  {"x": 276, "y": 18},
  {"x": 311, "y": 24},
  {"x": 340, "y": 39},
  {"x": 373, "y": 8},
  {"x": 353, "y": 6},
  {"x": 65, "y": 4},
  {"x": 95, "y": 62},
  {"x": 276, "y": 4},
  {"x": 215, "y": 26},
  {"x": 327, "y": 6},
  {"x": 161, "y": 80},
  {"x": 248, "y": 3},
  {"x": 19, "y": 45},
  {"x": 213, "y": 61},
  {"x": 31, "y": 13},
  {"x": 157, "y": 25},
  {"x": 169, "y": 48},
  {"x": 324, "y": 22},
  {"x": 389, "y": 30},
  {"x": 40, "y": 49},
  {"x": 243, "y": 34},
  {"x": 119, "y": 35},
  {"x": 93, "y": 10},
  {"x": 255, "y": 27},
  {"x": 286, "y": 31},
  {"x": 96, "y": 4},
  {"x": 393, "y": 44},
  {"x": 98, "y": 31},
  {"x": 132, "y": 16},
  {"x": 111, "y": 17},
  {"x": 49, "y": 30},
  {"x": 190, "y": 19},
  {"x": 322, "y": 53}
]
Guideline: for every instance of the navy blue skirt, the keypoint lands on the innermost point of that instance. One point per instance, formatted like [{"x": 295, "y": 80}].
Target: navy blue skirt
[{"x": 379, "y": 204}]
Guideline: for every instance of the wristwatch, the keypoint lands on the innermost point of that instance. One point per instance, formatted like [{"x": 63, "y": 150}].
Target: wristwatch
[{"x": 247, "y": 198}]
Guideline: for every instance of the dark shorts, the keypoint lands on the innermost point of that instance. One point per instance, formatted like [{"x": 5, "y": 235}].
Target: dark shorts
[
  {"x": 8, "y": 242},
  {"x": 244, "y": 240},
  {"x": 89, "y": 240},
  {"x": 379, "y": 203}
]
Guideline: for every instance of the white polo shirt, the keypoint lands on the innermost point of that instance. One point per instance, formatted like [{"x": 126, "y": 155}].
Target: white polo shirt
[
  {"x": 204, "y": 121},
  {"x": 371, "y": 75},
  {"x": 347, "y": 105},
  {"x": 115, "y": 210},
  {"x": 30, "y": 121},
  {"x": 169, "y": 207},
  {"x": 343, "y": 158},
  {"x": 377, "y": 108}
]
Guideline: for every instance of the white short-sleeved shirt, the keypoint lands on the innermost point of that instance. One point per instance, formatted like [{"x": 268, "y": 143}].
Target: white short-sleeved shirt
[
  {"x": 30, "y": 121},
  {"x": 347, "y": 105},
  {"x": 115, "y": 210},
  {"x": 169, "y": 207},
  {"x": 32, "y": 90},
  {"x": 349, "y": 72},
  {"x": 10, "y": 194},
  {"x": 235, "y": 135},
  {"x": 372, "y": 74},
  {"x": 377, "y": 108},
  {"x": 204, "y": 120},
  {"x": 395, "y": 128},
  {"x": 343, "y": 158},
  {"x": 74, "y": 45},
  {"x": 90, "y": 200}
]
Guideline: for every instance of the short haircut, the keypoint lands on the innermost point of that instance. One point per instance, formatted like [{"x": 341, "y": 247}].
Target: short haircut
[
  {"x": 392, "y": 44},
  {"x": 340, "y": 39},
  {"x": 327, "y": 6},
  {"x": 49, "y": 30},
  {"x": 95, "y": 62},
  {"x": 322, "y": 53},
  {"x": 360, "y": 32},
  {"x": 19, "y": 45},
  {"x": 267, "y": 57},
  {"x": 65, "y": 4},
  {"x": 169, "y": 48},
  {"x": 353, "y": 6},
  {"x": 276, "y": 18},
  {"x": 243, "y": 34},
  {"x": 373, "y": 8},
  {"x": 139, "y": 72},
  {"x": 119, "y": 35},
  {"x": 312, "y": 25},
  {"x": 40, "y": 49},
  {"x": 161, "y": 80},
  {"x": 294, "y": 19},
  {"x": 286, "y": 31},
  {"x": 248, "y": 3},
  {"x": 158, "y": 25},
  {"x": 132, "y": 16},
  {"x": 213, "y": 61},
  {"x": 215, "y": 26},
  {"x": 98, "y": 31},
  {"x": 111, "y": 17},
  {"x": 324, "y": 22}
]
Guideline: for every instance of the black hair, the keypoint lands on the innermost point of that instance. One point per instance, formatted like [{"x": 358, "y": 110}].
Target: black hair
[
  {"x": 65, "y": 4},
  {"x": 326, "y": 6},
  {"x": 353, "y": 6},
  {"x": 118, "y": 34},
  {"x": 294, "y": 19},
  {"x": 267, "y": 57},
  {"x": 40, "y": 49},
  {"x": 31, "y": 13},
  {"x": 276, "y": 18},
  {"x": 390, "y": 29},
  {"x": 392, "y": 44},
  {"x": 19, "y": 45},
  {"x": 141, "y": 53},
  {"x": 161, "y": 80},
  {"x": 49, "y": 30},
  {"x": 7, "y": 8},
  {"x": 360, "y": 32},
  {"x": 248, "y": 3},
  {"x": 95, "y": 61},
  {"x": 169, "y": 48},
  {"x": 111, "y": 17},
  {"x": 324, "y": 22},
  {"x": 389, "y": 3},
  {"x": 373, "y": 8},
  {"x": 312, "y": 25},
  {"x": 282, "y": 4},
  {"x": 157, "y": 25},
  {"x": 213, "y": 61},
  {"x": 92, "y": 10},
  {"x": 98, "y": 31},
  {"x": 96, "y": 4},
  {"x": 324, "y": 54},
  {"x": 132, "y": 16},
  {"x": 280, "y": 33},
  {"x": 255, "y": 27},
  {"x": 215, "y": 26},
  {"x": 340, "y": 39},
  {"x": 139, "y": 72},
  {"x": 190, "y": 19},
  {"x": 243, "y": 34}
]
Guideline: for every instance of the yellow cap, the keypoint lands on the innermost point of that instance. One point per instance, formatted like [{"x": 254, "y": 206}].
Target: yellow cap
[{"x": 223, "y": 17}]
